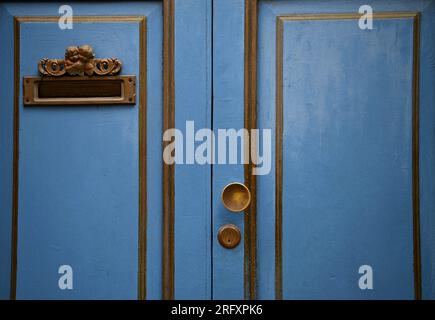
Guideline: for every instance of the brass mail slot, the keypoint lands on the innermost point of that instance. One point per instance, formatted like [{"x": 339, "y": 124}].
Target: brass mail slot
[{"x": 79, "y": 90}]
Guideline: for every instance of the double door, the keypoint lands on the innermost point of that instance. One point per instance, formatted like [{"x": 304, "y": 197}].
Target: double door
[{"x": 270, "y": 150}]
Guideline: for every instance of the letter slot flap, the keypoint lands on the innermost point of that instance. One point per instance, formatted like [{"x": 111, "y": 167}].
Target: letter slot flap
[{"x": 79, "y": 79}]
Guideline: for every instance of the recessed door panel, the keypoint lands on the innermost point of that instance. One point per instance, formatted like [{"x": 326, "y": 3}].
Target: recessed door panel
[
  {"x": 347, "y": 113},
  {"x": 344, "y": 103},
  {"x": 80, "y": 198},
  {"x": 78, "y": 176}
]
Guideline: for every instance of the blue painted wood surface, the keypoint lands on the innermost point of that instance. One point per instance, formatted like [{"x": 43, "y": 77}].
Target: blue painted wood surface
[
  {"x": 193, "y": 181},
  {"x": 337, "y": 112},
  {"x": 228, "y": 108},
  {"x": 347, "y": 159},
  {"x": 427, "y": 150},
  {"x": 78, "y": 194},
  {"x": 6, "y": 149},
  {"x": 78, "y": 178},
  {"x": 347, "y": 162}
]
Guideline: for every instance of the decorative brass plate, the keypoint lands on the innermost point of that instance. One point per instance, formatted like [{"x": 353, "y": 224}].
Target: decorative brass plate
[
  {"x": 79, "y": 61},
  {"x": 79, "y": 90},
  {"x": 79, "y": 79},
  {"x": 229, "y": 236},
  {"x": 236, "y": 197}
]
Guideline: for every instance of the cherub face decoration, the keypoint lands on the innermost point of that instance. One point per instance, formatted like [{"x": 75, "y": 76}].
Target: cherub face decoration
[{"x": 79, "y": 61}]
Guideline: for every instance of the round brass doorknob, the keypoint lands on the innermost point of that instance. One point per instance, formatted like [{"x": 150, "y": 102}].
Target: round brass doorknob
[
  {"x": 229, "y": 236},
  {"x": 236, "y": 197}
]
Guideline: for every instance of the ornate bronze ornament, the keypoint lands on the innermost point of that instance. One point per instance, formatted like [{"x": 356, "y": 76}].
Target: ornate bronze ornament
[
  {"x": 79, "y": 79},
  {"x": 79, "y": 61}
]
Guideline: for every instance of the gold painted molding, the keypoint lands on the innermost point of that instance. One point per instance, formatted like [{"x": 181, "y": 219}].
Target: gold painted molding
[
  {"x": 250, "y": 122},
  {"x": 168, "y": 265},
  {"x": 345, "y": 16}
]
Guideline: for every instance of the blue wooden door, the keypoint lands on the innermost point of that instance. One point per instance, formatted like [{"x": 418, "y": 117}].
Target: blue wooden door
[
  {"x": 79, "y": 180},
  {"x": 343, "y": 212},
  {"x": 341, "y": 208},
  {"x": 85, "y": 184}
]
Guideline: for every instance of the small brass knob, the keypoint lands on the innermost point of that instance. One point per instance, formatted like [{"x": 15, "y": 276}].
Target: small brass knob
[
  {"x": 229, "y": 236},
  {"x": 236, "y": 197}
]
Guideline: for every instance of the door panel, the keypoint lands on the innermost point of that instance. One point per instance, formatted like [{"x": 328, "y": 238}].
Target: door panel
[
  {"x": 78, "y": 174},
  {"x": 6, "y": 151},
  {"x": 345, "y": 181},
  {"x": 228, "y": 112},
  {"x": 81, "y": 169},
  {"x": 192, "y": 235},
  {"x": 81, "y": 197},
  {"x": 346, "y": 157}
]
